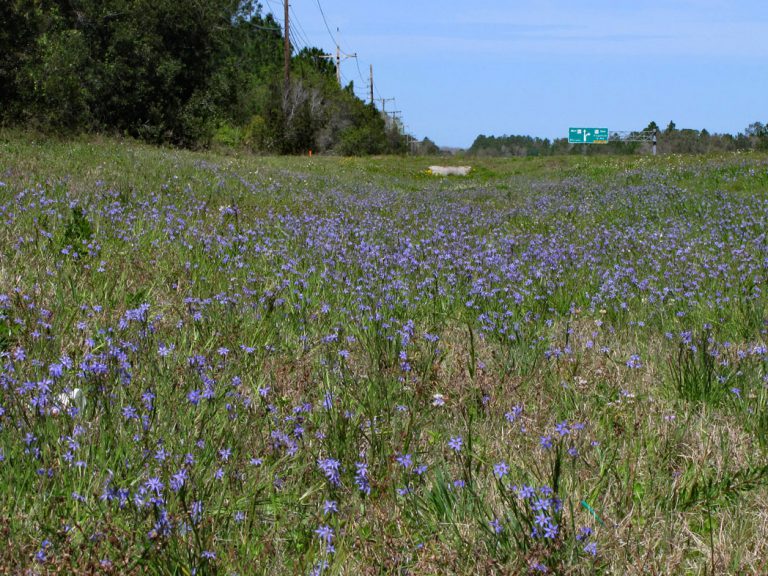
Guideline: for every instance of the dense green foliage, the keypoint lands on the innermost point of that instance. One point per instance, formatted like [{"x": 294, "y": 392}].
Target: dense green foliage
[
  {"x": 176, "y": 71},
  {"x": 513, "y": 146}
]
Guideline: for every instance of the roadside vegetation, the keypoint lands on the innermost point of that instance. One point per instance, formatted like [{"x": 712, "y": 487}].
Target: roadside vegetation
[
  {"x": 220, "y": 364},
  {"x": 178, "y": 72}
]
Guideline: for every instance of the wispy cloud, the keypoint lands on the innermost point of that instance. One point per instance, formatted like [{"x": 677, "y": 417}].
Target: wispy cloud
[
  {"x": 705, "y": 28},
  {"x": 723, "y": 40}
]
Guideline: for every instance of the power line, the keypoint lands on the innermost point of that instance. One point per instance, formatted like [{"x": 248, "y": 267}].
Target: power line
[
  {"x": 346, "y": 55},
  {"x": 275, "y": 17},
  {"x": 354, "y": 55},
  {"x": 299, "y": 29},
  {"x": 269, "y": 28},
  {"x": 271, "y": 10},
  {"x": 384, "y": 103},
  {"x": 297, "y": 41},
  {"x": 326, "y": 23},
  {"x": 339, "y": 57},
  {"x": 296, "y": 36},
  {"x": 294, "y": 43},
  {"x": 378, "y": 94},
  {"x": 358, "y": 70}
]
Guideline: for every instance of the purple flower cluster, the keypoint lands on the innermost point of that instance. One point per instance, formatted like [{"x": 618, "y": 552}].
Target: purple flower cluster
[{"x": 283, "y": 343}]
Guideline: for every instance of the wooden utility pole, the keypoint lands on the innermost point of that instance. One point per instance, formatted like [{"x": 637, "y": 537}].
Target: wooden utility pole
[
  {"x": 384, "y": 103},
  {"x": 338, "y": 61},
  {"x": 287, "y": 49},
  {"x": 371, "y": 84},
  {"x": 339, "y": 57},
  {"x": 338, "y": 64},
  {"x": 395, "y": 121}
]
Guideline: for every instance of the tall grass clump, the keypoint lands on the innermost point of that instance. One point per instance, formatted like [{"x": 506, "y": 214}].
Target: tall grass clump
[{"x": 695, "y": 372}]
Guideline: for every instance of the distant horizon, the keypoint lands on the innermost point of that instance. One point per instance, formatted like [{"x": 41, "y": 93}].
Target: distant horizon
[
  {"x": 564, "y": 135},
  {"x": 457, "y": 71},
  {"x": 662, "y": 129}
]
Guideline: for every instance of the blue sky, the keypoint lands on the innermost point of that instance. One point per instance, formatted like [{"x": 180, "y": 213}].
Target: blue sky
[{"x": 459, "y": 69}]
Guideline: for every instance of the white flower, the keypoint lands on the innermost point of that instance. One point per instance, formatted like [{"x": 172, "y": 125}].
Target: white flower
[{"x": 64, "y": 400}]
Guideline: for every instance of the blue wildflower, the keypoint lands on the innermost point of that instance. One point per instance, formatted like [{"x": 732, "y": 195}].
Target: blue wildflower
[
  {"x": 405, "y": 460},
  {"x": 500, "y": 470},
  {"x": 331, "y": 469}
]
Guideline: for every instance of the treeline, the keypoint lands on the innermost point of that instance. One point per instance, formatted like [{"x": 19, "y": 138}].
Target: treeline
[
  {"x": 670, "y": 140},
  {"x": 183, "y": 72},
  {"x": 515, "y": 146}
]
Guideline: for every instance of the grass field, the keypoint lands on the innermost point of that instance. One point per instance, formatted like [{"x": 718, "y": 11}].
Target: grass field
[{"x": 238, "y": 365}]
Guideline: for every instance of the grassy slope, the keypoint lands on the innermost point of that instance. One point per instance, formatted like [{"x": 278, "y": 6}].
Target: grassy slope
[{"x": 669, "y": 471}]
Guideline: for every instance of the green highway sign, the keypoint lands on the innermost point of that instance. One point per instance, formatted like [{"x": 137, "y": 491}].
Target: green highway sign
[{"x": 587, "y": 135}]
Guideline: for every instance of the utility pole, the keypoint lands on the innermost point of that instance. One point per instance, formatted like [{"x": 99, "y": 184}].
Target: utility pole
[
  {"x": 287, "y": 49},
  {"x": 338, "y": 64},
  {"x": 384, "y": 103},
  {"x": 338, "y": 61},
  {"x": 409, "y": 141},
  {"x": 339, "y": 57},
  {"x": 371, "y": 84}
]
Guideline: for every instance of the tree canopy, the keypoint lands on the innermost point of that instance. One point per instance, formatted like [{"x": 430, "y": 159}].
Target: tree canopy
[
  {"x": 671, "y": 140},
  {"x": 182, "y": 72}
]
